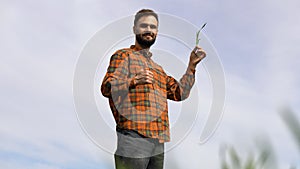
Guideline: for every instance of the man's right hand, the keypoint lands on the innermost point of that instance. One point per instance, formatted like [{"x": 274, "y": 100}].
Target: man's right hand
[{"x": 144, "y": 76}]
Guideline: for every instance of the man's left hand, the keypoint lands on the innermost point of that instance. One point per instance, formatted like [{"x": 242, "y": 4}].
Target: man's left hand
[{"x": 196, "y": 56}]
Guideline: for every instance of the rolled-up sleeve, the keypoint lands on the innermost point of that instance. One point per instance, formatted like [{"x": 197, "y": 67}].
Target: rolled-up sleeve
[{"x": 179, "y": 91}]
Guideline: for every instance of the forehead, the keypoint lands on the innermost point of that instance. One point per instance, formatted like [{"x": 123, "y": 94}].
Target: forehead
[{"x": 148, "y": 20}]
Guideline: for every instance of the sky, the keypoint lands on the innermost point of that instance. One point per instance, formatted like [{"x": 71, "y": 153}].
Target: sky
[{"x": 41, "y": 42}]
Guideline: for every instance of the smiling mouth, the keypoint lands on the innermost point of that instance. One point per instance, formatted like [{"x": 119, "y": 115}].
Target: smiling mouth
[{"x": 148, "y": 36}]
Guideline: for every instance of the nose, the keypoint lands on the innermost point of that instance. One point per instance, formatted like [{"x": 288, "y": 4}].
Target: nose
[{"x": 148, "y": 28}]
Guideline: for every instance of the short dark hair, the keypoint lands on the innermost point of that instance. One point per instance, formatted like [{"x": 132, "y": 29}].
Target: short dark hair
[{"x": 144, "y": 12}]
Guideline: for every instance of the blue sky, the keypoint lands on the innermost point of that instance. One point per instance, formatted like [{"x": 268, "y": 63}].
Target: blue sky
[{"x": 257, "y": 42}]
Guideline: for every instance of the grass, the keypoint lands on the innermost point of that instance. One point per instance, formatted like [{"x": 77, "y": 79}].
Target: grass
[{"x": 264, "y": 158}]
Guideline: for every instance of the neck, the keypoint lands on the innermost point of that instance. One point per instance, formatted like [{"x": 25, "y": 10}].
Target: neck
[{"x": 141, "y": 46}]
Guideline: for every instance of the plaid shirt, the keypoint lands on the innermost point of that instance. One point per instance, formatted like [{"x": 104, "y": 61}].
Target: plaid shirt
[{"x": 142, "y": 108}]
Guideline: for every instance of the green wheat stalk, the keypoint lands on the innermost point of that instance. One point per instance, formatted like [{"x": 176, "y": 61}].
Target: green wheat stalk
[{"x": 198, "y": 34}]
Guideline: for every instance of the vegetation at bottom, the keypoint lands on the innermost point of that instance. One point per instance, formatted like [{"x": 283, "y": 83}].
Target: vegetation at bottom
[{"x": 264, "y": 156}]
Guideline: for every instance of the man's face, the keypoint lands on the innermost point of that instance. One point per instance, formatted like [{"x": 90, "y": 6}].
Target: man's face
[{"x": 146, "y": 30}]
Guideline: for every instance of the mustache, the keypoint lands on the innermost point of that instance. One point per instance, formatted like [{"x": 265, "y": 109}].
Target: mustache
[{"x": 148, "y": 33}]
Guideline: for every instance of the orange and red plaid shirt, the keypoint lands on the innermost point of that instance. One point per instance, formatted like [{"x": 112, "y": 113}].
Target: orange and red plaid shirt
[{"x": 142, "y": 108}]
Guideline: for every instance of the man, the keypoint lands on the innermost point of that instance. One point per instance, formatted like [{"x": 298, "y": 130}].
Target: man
[{"x": 138, "y": 89}]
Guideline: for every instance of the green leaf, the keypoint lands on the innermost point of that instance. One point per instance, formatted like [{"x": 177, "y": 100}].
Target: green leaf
[
  {"x": 235, "y": 159},
  {"x": 198, "y": 34},
  {"x": 292, "y": 123},
  {"x": 224, "y": 165},
  {"x": 250, "y": 163}
]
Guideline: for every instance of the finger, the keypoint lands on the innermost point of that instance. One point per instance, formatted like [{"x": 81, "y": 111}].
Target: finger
[
  {"x": 149, "y": 81},
  {"x": 197, "y": 48},
  {"x": 145, "y": 71},
  {"x": 142, "y": 71},
  {"x": 142, "y": 74},
  {"x": 149, "y": 72},
  {"x": 145, "y": 76},
  {"x": 200, "y": 53},
  {"x": 141, "y": 77},
  {"x": 150, "y": 78}
]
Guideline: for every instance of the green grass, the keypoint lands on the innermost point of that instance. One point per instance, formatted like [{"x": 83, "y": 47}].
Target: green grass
[{"x": 264, "y": 158}]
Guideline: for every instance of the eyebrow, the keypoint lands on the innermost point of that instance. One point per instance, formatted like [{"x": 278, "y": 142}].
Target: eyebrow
[{"x": 145, "y": 24}]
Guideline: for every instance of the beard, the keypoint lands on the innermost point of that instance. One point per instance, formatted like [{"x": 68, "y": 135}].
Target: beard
[{"x": 144, "y": 42}]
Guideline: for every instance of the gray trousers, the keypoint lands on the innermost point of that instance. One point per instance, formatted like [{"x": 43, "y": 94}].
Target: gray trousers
[{"x": 135, "y": 151}]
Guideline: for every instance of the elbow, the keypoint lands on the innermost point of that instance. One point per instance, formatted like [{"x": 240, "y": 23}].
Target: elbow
[
  {"x": 105, "y": 90},
  {"x": 184, "y": 96},
  {"x": 107, "y": 95}
]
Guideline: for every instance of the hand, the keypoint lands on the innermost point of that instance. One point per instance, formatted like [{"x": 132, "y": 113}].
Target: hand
[
  {"x": 196, "y": 56},
  {"x": 145, "y": 76}
]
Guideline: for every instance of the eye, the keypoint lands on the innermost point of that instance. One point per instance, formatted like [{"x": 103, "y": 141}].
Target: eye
[
  {"x": 143, "y": 25},
  {"x": 153, "y": 26}
]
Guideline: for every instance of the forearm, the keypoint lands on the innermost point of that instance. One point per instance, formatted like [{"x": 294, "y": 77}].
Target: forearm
[
  {"x": 191, "y": 69},
  {"x": 186, "y": 83},
  {"x": 179, "y": 91}
]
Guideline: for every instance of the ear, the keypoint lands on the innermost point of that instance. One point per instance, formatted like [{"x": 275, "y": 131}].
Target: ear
[{"x": 134, "y": 29}]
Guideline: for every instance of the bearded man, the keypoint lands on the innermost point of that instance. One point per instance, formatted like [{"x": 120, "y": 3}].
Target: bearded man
[{"x": 138, "y": 89}]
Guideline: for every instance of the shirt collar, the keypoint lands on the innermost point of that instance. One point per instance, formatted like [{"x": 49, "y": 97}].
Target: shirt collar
[{"x": 145, "y": 53}]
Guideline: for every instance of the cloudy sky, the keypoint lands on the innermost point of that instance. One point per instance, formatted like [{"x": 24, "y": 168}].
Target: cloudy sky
[{"x": 41, "y": 42}]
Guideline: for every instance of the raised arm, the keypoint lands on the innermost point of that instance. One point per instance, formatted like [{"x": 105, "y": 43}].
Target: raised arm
[{"x": 178, "y": 91}]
